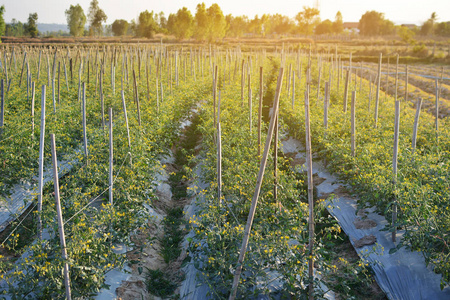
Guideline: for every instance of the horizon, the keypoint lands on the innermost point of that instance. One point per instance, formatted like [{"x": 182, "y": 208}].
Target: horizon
[{"x": 351, "y": 10}]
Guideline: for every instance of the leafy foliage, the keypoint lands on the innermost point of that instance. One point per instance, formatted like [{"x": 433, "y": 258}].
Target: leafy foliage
[
  {"x": 76, "y": 20},
  {"x": 31, "y": 25},
  {"x": 96, "y": 17}
]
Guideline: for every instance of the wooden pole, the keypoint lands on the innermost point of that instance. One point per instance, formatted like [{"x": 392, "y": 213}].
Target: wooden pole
[
  {"x": 377, "y": 99},
  {"x": 41, "y": 162},
  {"x": 416, "y": 125},
  {"x": 111, "y": 149},
  {"x": 353, "y": 112},
  {"x": 62, "y": 237},
  {"x": 310, "y": 198},
  {"x": 251, "y": 214},
  {"x": 394, "y": 167}
]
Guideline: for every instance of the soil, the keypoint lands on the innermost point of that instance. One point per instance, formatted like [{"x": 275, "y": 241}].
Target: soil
[
  {"x": 149, "y": 239},
  {"x": 365, "y": 241}
]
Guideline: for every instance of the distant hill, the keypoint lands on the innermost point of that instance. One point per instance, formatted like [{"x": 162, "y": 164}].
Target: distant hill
[{"x": 43, "y": 27}]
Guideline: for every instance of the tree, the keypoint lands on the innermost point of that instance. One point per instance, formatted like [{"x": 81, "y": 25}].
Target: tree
[
  {"x": 201, "y": 22},
  {"x": 258, "y": 26},
  {"x": 326, "y": 27},
  {"x": 338, "y": 24},
  {"x": 15, "y": 28},
  {"x": 182, "y": 24},
  {"x": 428, "y": 27},
  {"x": 96, "y": 17},
  {"x": 279, "y": 24},
  {"x": 119, "y": 27},
  {"x": 31, "y": 25},
  {"x": 406, "y": 34},
  {"x": 307, "y": 19},
  {"x": 162, "y": 21},
  {"x": 76, "y": 19},
  {"x": 216, "y": 21},
  {"x": 2, "y": 20},
  {"x": 443, "y": 29},
  {"x": 373, "y": 23},
  {"x": 146, "y": 26},
  {"x": 237, "y": 26}
]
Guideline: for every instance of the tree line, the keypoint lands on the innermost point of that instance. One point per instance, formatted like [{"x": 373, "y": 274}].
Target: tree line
[{"x": 209, "y": 24}]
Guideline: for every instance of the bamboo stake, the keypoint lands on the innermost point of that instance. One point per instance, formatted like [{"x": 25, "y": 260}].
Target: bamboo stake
[
  {"x": 219, "y": 163},
  {"x": 215, "y": 79},
  {"x": 137, "y": 98},
  {"x": 32, "y": 109},
  {"x": 2, "y": 108},
  {"x": 39, "y": 66},
  {"x": 250, "y": 112},
  {"x": 260, "y": 108},
  {"x": 377, "y": 99},
  {"x": 406, "y": 82},
  {"x": 65, "y": 75},
  {"x": 325, "y": 107},
  {"x": 310, "y": 198},
  {"x": 126, "y": 123},
  {"x": 387, "y": 80},
  {"x": 347, "y": 78},
  {"x": 353, "y": 112},
  {"x": 111, "y": 150},
  {"x": 248, "y": 226},
  {"x": 62, "y": 237},
  {"x": 318, "y": 86},
  {"x": 23, "y": 66},
  {"x": 242, "y": 83},
  {"x": 275, "y": 164},
  {"x": 84, "y": 123},
  {"x": 41, "y": 162},
  {"x": 59, "y": 80},
  {"x": 102, "y": 102},
  {"x": 436, "y": 119},
  {"x": 293, "y": 89},
  {"x": 416, "y": 125},
  {"x": 394, "y": 167}
]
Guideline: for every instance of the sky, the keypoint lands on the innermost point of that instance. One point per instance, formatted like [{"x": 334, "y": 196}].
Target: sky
[{"x": 398, "y": 11}]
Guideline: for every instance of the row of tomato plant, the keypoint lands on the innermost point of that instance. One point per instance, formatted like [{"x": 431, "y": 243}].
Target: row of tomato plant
[
  {"x": 422, "y": 188},
  {"x": 277, "y": 251},
  {"x": 92, "y": 231}
]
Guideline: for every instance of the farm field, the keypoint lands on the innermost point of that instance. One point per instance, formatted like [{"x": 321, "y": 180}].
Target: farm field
[{"x": 180, "y": 164}]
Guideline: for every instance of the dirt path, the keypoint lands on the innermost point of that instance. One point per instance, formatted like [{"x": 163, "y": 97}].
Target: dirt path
[{"x": 157, "y": 259}]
